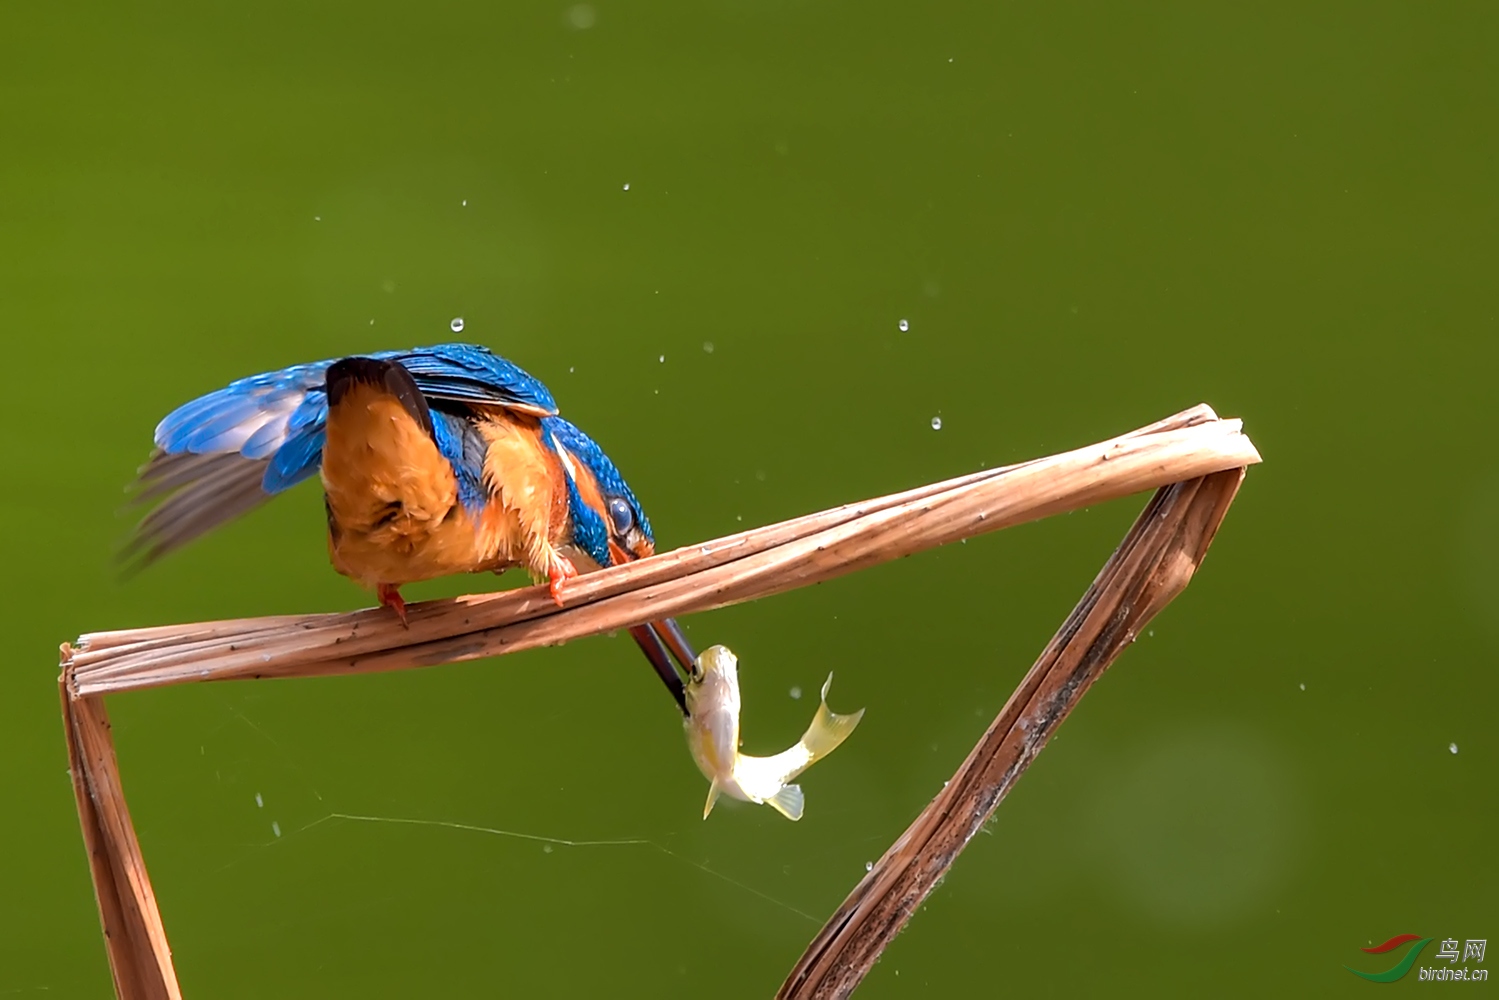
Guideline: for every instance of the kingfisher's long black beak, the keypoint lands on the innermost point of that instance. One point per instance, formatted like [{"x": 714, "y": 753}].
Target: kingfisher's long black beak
[{"x": 655, "y": 639}]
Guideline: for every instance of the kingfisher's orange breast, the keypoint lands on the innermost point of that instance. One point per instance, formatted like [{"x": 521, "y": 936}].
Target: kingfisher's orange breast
[{"x": 394, "y": 515}]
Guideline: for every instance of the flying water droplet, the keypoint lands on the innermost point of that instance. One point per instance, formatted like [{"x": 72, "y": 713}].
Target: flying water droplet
[
  {"x": 904, "y": 325},
  {"x": 1452, "y": 747},
  {"x": 707, "y": 347},
  {"x": 796, "y": 692},
  {"x": 936, "y": 423},
  {"x": 869, "y": 866},
  {"x": 1303, "y": 687},
  {"x": 259, "y": 802},
  {"x": 627, "y": 187},
  {"x": 662, "y": 359},
  {"x": 546, "y": 848},
  {"x": 465, "y": 203},
  {"x": 457, "y": 325},
  {"x": 276, "y": 828}
]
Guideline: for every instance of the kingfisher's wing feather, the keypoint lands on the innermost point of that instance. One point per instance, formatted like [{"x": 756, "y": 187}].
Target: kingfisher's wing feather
[
  {"x": 227, "y": 452},
  {"x": 468, "y": 373},
  {"x": 201, "y": 492},
  {"x": 231, "y": 450}
]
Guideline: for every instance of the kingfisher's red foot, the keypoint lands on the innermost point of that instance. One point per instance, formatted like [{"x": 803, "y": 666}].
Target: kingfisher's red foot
[
  {"x": 389, "y": 595},
  {"x": 563, "y": 570}
]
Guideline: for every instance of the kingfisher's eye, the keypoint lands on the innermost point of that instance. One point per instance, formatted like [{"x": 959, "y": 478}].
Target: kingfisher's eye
[{"x": 621, "y": 517}]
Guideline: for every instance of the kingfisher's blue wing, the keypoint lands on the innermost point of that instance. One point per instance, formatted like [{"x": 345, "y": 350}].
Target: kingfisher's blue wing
[
  {"x": 467, "y": 373},
  {"x": 226, "y": 453}
]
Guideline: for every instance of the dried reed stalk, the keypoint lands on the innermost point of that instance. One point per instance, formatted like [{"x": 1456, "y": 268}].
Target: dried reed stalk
[
  {"x": 742, "y": 567},
  {"x": 1152, "y": 565},
  {"x": 139, "y": 955}
]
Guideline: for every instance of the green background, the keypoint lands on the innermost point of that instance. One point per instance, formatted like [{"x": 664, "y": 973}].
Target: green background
[{"x": 1091, "y": 216}]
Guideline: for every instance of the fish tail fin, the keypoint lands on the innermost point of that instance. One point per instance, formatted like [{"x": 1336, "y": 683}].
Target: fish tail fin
[
  {"x": 788, "y": 802},
  {"x": 828, "y": 729},
  {"x": 713, "y": 791}
]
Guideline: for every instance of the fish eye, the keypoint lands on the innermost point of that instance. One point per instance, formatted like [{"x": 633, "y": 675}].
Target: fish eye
[{"x": 621, "y": 517}]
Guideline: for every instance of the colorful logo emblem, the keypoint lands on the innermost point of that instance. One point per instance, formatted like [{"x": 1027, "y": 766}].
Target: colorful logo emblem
[
  {"x": 1472, "y": 949},
  {"x": 1401, "y": 967}
]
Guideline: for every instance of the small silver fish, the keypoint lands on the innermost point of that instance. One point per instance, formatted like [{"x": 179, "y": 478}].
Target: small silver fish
[{"x": 712, "y": 727}]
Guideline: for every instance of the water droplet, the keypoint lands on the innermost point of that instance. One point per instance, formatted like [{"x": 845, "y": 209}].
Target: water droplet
[
  {"x": 457, "y": 325},
  {"x": 936, "y": 423},
  {"x": 627, "y": 187},
  {"x": 546, "y": 848},
  {"x": 465, "y": 203},
  {"x": 317, "y": 218},
  {"x": 1303, "y": 687},
  {"x": 904, "y": 325},
  {"x": 707, "y": 347},
  {"x": 259, "y": 802},
  {"x": 276, "y": 828},
  {"x": 1452, "y": 747},
  {"x": 570, "y": 368},
  {"x": 796, "y": 692},
  {"x": 869, "y": 866},
  {"x": 662, "y": 359}
]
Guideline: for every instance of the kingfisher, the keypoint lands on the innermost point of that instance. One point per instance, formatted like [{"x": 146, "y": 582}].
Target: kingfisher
[{"x": 433, "y": 461}]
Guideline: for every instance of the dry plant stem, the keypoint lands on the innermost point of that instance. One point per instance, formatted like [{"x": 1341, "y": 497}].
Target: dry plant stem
[
  {"x": 741, "y": 567},
  {"x": 756, "y": 563},
  {"x": 139, "y": 955},
  {"x": 1152, "y": 565}
]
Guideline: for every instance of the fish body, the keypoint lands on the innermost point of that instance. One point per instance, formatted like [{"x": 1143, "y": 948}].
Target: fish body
[{"x": 712, "y": 727}]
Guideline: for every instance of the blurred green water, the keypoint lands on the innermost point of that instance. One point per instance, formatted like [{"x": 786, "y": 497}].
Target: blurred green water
[{"x": 1091, "y": 217}]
